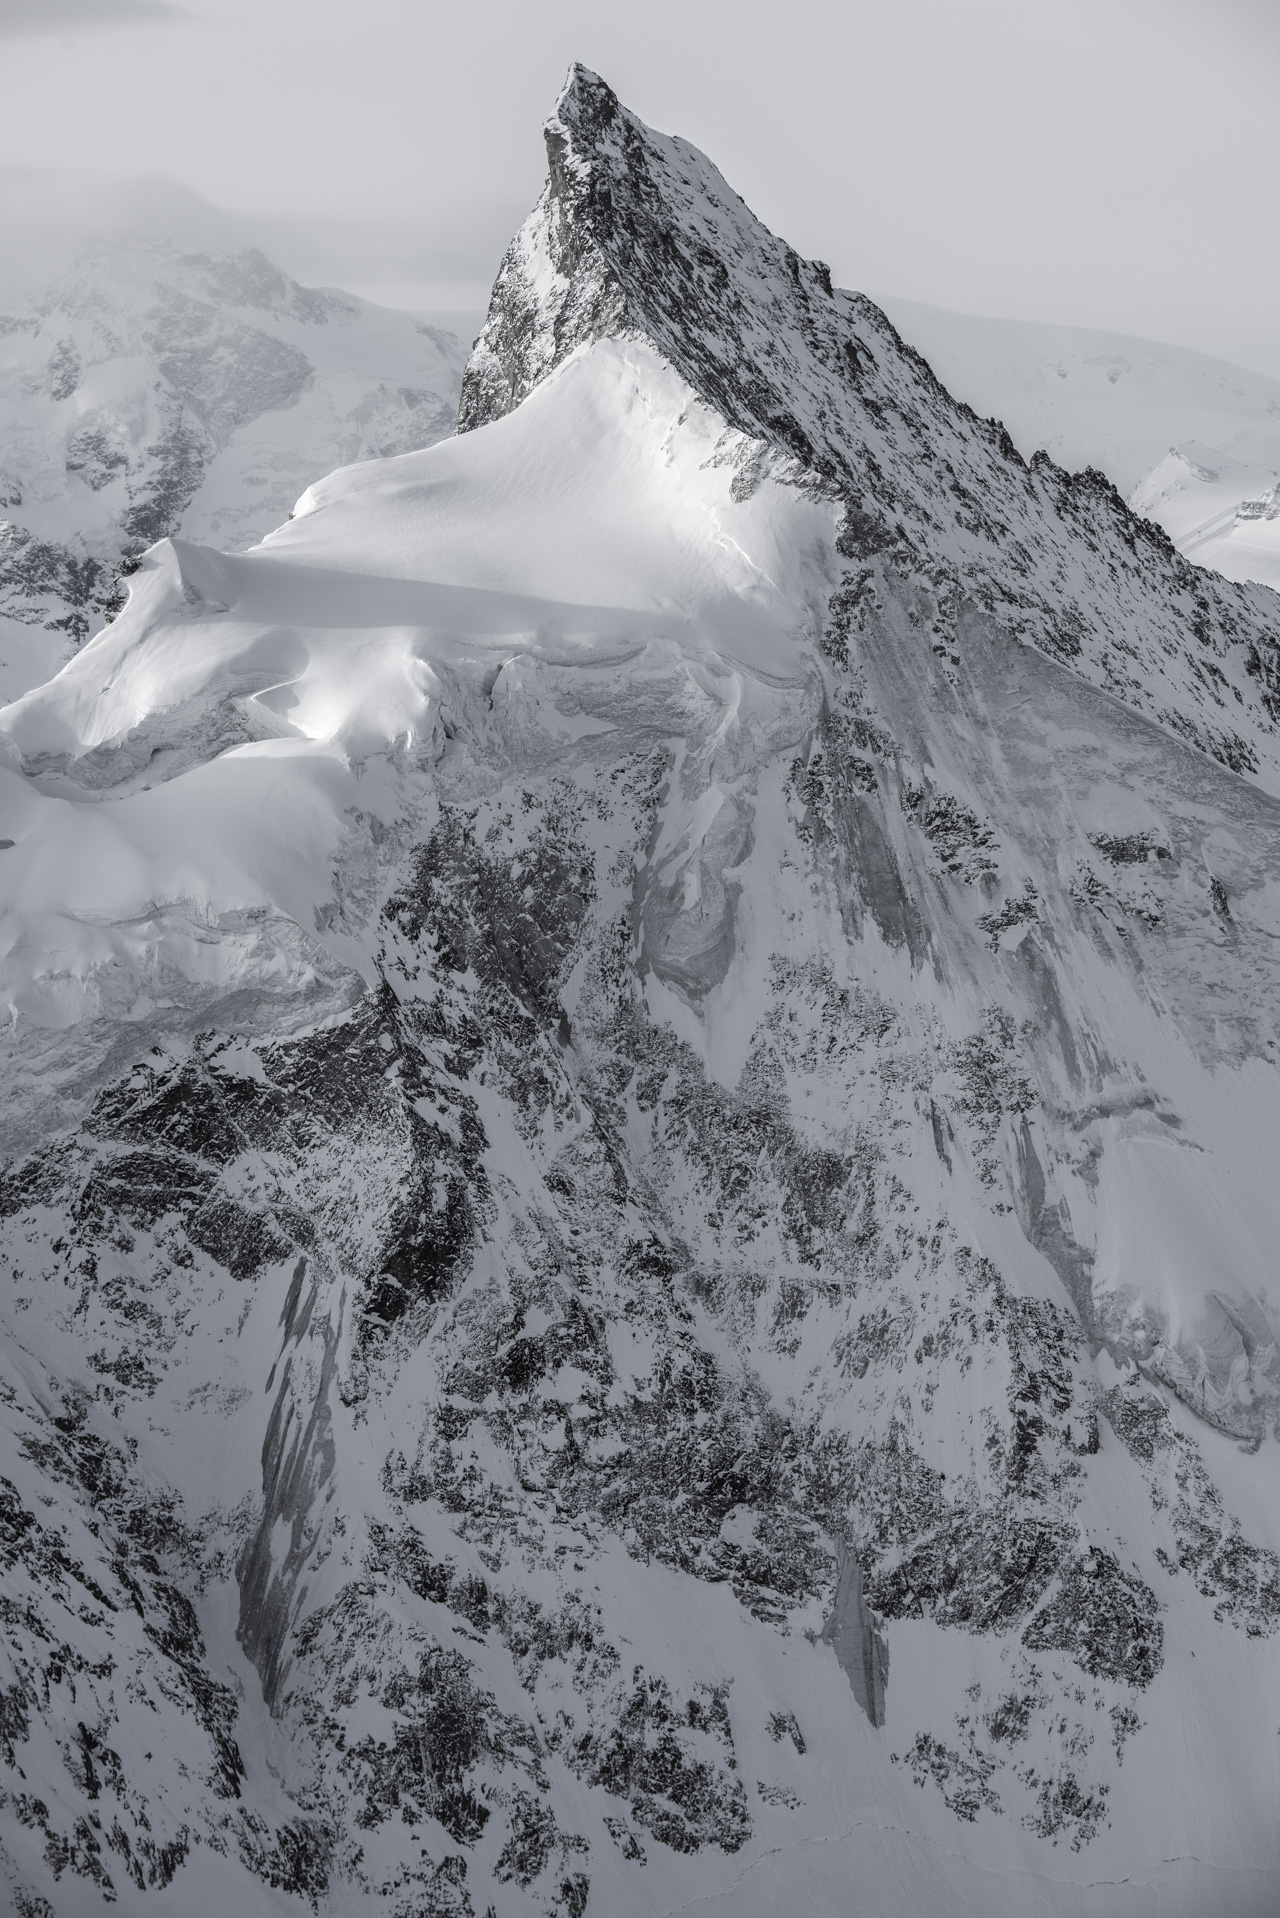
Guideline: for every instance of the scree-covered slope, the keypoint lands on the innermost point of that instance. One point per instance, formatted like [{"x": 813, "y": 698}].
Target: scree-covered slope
[{"x": 638, "y": 1225}]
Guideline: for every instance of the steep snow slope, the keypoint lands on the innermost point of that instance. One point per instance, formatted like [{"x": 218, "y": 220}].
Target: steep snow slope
[
  {"x": 154, "y": 388},
  {"x": 642, "y": 1066},
  {"x": 1192, "y": 442}
]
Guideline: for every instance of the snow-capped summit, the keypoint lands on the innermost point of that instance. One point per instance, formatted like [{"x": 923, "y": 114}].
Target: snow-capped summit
[
  {"x": 642, "y": 1065},
  {"x": 154, "y": 388}
]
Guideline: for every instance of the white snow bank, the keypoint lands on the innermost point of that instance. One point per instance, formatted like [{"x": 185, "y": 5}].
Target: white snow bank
[{"x": 202, "y": 751}]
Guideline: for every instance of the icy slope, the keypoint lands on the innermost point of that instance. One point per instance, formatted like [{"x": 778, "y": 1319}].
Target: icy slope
[
  {"x": 639, "y": 1223},
  {"x": 1192, "y": 442},
  {"x": 197, "y": 758},
  {"x": 154, "y": 388}
]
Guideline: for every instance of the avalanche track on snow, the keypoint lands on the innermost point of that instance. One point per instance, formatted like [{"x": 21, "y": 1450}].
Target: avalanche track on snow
[{"x": 639, "y": 1211}]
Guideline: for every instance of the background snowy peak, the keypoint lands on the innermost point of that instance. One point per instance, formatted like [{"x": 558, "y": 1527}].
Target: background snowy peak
[{"x": 154, "y": 388}]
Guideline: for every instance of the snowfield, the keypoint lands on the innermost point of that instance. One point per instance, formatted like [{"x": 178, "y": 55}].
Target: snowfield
[{"x": 638, "y": 1220}]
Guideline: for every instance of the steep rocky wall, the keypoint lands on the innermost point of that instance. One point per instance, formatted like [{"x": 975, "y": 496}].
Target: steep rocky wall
[{"x": 548, "y": 1309}]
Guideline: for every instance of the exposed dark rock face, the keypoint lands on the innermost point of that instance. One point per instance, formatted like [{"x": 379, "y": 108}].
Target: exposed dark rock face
[{"x": 638, "y": 236}]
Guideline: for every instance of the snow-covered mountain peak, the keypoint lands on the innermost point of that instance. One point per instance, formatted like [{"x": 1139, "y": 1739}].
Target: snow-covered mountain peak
[
  {"x": 155, "y": 264},
  {"x": 637, "y": 234},
  {"x": 642, "y": 1079}
]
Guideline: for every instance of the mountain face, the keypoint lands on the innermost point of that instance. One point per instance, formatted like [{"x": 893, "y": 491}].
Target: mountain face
[
  {"x": 1114, "y": 402},
  {"x": 155, "y": 389},
  {"x": 639, "y": 1217}
]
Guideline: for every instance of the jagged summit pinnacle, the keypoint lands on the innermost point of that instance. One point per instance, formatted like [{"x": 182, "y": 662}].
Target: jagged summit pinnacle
[
  {"x": 645, "y": 236},
  {"x": 638, "y": 237}
]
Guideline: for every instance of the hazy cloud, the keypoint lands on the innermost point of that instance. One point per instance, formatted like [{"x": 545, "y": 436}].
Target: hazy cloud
[
  {"x": 441, "y": 267},
  {"x": 1107, "y": 164},
  {"x": 64, "y": 16}
]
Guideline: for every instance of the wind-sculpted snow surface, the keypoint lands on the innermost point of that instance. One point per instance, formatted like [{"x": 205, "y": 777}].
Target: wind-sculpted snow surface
[{"x": 639, "y": 1221}]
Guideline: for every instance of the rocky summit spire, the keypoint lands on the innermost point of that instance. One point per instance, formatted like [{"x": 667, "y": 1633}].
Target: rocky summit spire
[
  {"x": 637, "y": 235},
  {"x": 637, "y": 232}
]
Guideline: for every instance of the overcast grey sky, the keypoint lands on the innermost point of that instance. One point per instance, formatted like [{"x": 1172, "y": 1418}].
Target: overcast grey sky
[{"x": 1100, "y": 164}]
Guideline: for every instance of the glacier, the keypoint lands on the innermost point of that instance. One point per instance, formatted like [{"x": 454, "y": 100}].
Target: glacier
[{"x": 638, "y": 1205}]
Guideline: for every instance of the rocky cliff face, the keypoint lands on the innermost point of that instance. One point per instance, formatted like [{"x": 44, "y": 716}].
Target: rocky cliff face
[
  {"x": 156, "y": 390},
  {"x": 639, "y": 1220}
]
